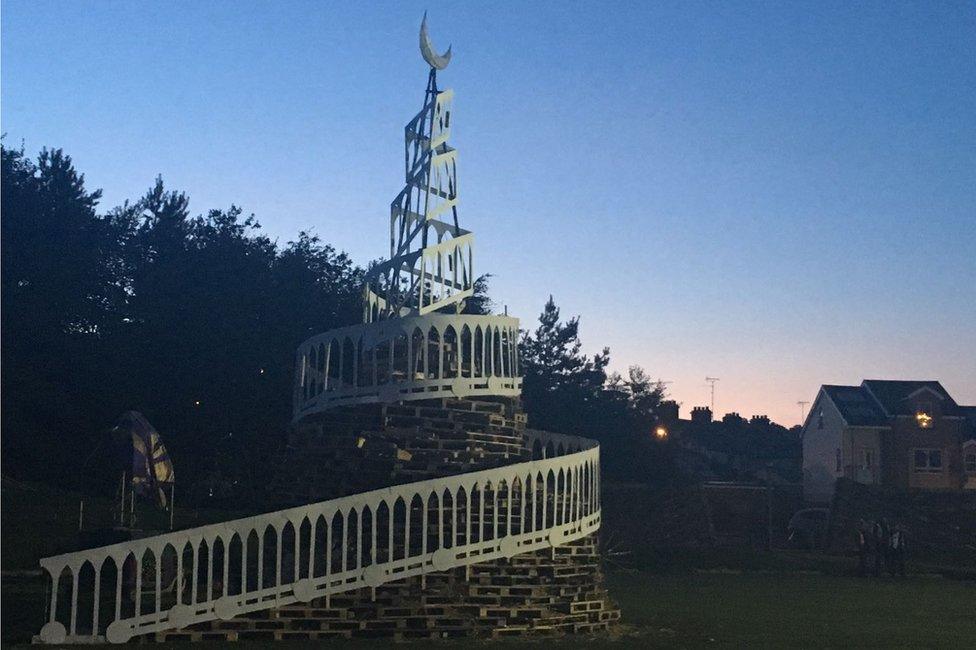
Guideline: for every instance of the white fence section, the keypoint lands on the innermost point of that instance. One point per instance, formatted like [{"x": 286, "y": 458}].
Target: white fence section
[
  {"x": 411, "y": 358},
  {"x": 220, "y": 571}
]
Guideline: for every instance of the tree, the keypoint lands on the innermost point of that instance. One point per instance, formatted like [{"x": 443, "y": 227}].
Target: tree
[
  {"x": 561, "y": 386},
  {"x": 59, "y": 292},
  {"x": 479, "y": 302},
  {"x": 566, "y": 391},
  {"x": 192, "y": 320}
]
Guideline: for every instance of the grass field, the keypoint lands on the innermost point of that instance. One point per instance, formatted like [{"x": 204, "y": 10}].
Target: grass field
[
  {"x": 726, "y": 610},
  {"x": 796, "y": 610}
]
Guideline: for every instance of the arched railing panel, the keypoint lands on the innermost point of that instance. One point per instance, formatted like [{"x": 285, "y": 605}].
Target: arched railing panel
[
  {"x": 436, "y": 355},
  {"x": 225, "y": 570}
]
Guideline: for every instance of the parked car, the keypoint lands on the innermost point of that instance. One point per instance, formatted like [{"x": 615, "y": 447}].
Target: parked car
[{"x": 808, "y": 527}]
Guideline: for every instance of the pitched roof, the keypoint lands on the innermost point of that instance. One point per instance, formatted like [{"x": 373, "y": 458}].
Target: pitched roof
[
  {"x": 856, "y": 405},
  {"x": 892, "y": 395}
]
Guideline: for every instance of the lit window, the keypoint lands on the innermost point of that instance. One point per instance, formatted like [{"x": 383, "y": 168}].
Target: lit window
[
  {"x": 971, "y": 463},
  {"x": 924, "y": 420},
  {"x": 928, "y": 460}
]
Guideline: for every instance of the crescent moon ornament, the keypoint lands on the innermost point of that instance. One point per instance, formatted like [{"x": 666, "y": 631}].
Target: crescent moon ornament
[{"x": 438, "y": 62}]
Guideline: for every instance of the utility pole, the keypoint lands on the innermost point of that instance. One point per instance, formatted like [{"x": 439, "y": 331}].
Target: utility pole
[
  {"x": 803, "y": 410},
  {"x": 712, "y": 380}
]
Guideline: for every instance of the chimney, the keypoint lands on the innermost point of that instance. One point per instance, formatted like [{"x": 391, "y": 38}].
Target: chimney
[
  {"x": 732, "y": 418},
  {"x": 668, "y": 411},
  {"x": 760, "y": 420},
  {"x": 701, "y": 414}
]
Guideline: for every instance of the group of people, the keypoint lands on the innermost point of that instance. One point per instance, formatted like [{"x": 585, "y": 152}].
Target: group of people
[{"x": 881, "y": 547}]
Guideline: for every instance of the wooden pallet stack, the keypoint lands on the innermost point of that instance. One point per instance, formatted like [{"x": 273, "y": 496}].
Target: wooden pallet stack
[
  {"x": 354, "y": 449},
  {"x": 362, "y": 448},
  {"x": 544, "y": 593}
]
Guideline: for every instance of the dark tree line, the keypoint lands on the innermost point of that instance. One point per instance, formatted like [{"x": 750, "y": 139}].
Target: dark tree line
[{"x": 194, "y": 320}]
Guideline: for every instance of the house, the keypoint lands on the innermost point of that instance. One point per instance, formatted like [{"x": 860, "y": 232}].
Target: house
[{"x": 908, "y": 435}]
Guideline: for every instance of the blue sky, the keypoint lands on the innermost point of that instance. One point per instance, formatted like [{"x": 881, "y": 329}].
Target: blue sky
[{"x": 777, "y": 194}]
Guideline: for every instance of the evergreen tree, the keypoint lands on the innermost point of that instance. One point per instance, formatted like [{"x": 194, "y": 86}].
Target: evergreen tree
[
  {"x": 567, "y": 391},
  {"x": 480, "y": 302},
  {"x": 561, "y": 386}
]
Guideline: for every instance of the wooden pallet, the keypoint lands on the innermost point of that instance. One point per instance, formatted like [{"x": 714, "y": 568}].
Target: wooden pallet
[
  {"x": 563, "y": 595},
  {"x": 544, "y": 593}
]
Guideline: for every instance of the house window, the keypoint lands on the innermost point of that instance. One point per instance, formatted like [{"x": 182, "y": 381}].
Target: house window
[
  {"x": 928, "y": 460},
  {"x": 839, "y": 462},
  {"x": 971, "y": 462},
  {"x": 867, "y": 458},
  {"x": 820, "y": 420}
]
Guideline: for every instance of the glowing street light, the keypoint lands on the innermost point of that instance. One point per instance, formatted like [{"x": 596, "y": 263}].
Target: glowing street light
[{"x": 661, "y": 433}]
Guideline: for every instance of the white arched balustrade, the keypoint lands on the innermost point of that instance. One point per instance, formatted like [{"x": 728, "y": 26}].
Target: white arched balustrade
[{"x": 224, "y": 570}]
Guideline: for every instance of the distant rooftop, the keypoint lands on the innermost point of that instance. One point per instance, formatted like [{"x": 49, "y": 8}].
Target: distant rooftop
[
  {"x": 856, "y": 405},
  {"x": 893, "y": 395},
  {"x": 875, "y": 400}
]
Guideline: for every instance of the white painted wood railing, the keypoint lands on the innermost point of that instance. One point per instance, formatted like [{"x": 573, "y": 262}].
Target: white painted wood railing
[
  {"x": 409, "y": 358},
  {"x": 220, "y": 571}
]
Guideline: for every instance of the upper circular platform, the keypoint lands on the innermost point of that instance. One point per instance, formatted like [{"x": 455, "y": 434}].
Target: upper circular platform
[{"x": 412, "y": 358}]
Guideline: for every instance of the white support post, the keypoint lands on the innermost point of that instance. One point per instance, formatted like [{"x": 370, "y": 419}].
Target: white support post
[
  {"x": 481, "y": 514},
  {"x": 280, "y": 532},
  {"x": 389, "y": 538},
  {"x": 118, "y": 588},
  {"x": 179, "y": 575},
  {"x": 55, "y": 587},
  {"x": 312, "y": 544},
  {"x": 74, "y": 600},
  {"x": 424, "y": 532},
  {"x": 210, "y": 557},
  {"x": 193, "y": 577},
  {"x": 137, "y": 594},
  {"x": 329, "y": 540},
  {"x": 159, "y": 585}
]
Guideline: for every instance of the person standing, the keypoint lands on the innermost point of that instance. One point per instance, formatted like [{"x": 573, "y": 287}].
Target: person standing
[
  {"x": 863, "y": 550},
  {"x": 898, "y": 551},
  {"x": 879, "y": 542}
]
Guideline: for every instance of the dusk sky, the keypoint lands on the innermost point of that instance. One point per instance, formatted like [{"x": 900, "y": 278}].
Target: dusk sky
[{"x": 780, "y": 195}]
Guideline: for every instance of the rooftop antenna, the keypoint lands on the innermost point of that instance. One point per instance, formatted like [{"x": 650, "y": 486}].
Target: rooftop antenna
[
  {"x": 712, "y": 380},
  {"x": 803, "y": 410}
]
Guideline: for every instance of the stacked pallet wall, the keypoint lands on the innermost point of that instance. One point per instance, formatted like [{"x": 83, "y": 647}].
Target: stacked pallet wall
[
  {"x": 354, "y": 449},
  {"x": 361, "y": 448},
  {"x": 535, "y": 594}
]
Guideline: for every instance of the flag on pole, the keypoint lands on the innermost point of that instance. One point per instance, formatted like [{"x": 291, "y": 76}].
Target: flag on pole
[{"x": 152, "y": 469}]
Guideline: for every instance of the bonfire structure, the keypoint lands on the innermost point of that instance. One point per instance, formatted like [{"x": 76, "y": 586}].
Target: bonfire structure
[{"x": 419, "y": 503}]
